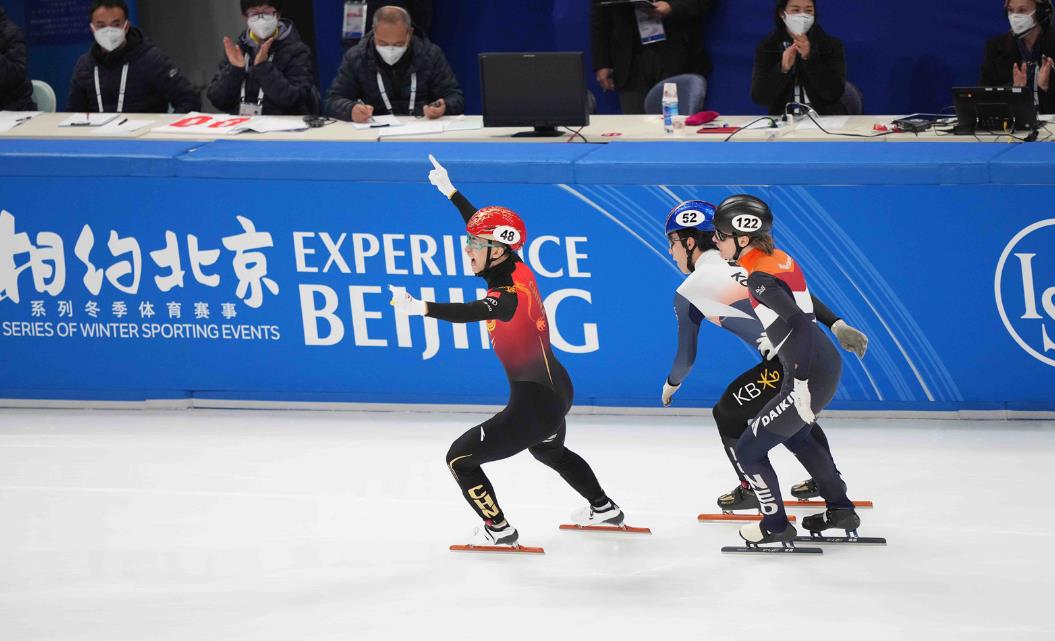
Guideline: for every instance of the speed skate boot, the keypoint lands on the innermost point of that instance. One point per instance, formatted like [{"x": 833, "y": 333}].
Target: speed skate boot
[
  {"x": 842, "y": 519},
  {"x": 741, "y": 498},
  {"x": 755, "y": 535},
  {"x": 805, "y": 490},
  {"x": 495, "y": 534},
  {"x": 808, "y": 489},
  {"x": 607, "y": 514}
]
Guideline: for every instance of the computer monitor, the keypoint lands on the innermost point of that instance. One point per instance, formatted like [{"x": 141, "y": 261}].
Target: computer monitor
[
  {"x": 994, "y": 109},
  {"x": 542, "y": 90}
]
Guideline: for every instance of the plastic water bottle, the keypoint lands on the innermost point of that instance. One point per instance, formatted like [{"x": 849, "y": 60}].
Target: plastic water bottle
[{"x": 670, "y": 106}]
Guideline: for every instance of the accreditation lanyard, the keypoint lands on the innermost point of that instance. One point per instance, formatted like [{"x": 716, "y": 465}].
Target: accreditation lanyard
[
  {"x": 121, "y": 94},
  {"x": 260, "y": 96},
  {"x": 800, "y": 93},
  {"x": 413, "y": 92}
]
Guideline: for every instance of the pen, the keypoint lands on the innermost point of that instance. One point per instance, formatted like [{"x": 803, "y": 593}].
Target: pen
[
  {"x": 122, "y": 122},
  {"x": 359, "y": 101},
  {"x": 378, "y": 126}
]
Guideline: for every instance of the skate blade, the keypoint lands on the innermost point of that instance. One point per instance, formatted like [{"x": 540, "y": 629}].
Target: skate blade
[
  {"x": 606, "y": 528},
  {"x": 709, "y": 518},
  {"x": 855, "y": 540},
  {"x": 780, "y": 549},
  {"x": 515, "y": 549},
  {"x": 808, "y": 503}
]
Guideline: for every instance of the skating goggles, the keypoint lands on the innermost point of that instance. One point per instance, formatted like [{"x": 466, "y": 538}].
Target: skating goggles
[
  {"x": 476, "y": 243},
  {"x": 719, "y": 235}
]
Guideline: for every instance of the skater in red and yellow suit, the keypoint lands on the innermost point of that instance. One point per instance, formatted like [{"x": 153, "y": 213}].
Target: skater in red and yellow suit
[{"x": 540, "y": 390}]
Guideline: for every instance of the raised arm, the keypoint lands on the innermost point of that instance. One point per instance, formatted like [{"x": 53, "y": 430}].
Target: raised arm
[{"x": 439, "y": 178}]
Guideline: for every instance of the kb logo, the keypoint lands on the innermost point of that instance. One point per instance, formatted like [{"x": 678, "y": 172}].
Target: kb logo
[{"x": 1025, "y": 290}]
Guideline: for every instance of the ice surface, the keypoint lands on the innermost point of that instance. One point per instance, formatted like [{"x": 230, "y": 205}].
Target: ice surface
[{"x": 208, "y": 525}]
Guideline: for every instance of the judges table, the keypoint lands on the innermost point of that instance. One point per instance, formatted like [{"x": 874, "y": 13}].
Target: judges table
[
  {"x": 222, "y": 270},
  {"x": 602, "y": 129}
]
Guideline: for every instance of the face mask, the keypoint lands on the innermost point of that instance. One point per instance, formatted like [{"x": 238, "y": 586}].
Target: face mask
[
  {"x": 391, "y": 55},
  {"x": 263, "y": 25},
  {"x": 110, "y": 38},
  {"x": 798, "y": 23},
  {"x": 1021, "y": 22}
]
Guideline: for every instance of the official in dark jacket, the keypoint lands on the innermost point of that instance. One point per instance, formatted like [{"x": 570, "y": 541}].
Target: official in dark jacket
[
  {"x": 1023, "y": 56},
  {"x": 268, "y": 71},
  {"x": 381, "y": 73},
  {"x": 123, "y": 57},
  {"x": 16, "y": 92},
  {"x": 799, "y": 62},
  {"x": 623, "y": 63}
]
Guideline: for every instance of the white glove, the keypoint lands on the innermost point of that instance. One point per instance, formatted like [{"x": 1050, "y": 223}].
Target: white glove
[
  {"x": 440, "y": 179},
  {"x": 668, "y": 392},
  {"x": 407, "y": 304},
  {"x": 801, "y": 393},
  {"x": 851, "y": 339},
  {"x": 765, "y": 347}
]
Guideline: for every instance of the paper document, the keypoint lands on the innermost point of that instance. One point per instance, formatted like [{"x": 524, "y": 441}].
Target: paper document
[
  {"x": 271, "y": 124},
  {"x": 431, "y": 127},
  {"x": 378, "y": 122},
  {"x": 11, "y": 119},
  {"x": 122, "y": 126},
  {"x": 423, "y": 128},
  {"x": 88, "y": 120}
]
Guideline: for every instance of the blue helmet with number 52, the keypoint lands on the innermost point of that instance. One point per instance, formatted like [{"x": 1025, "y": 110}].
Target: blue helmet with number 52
[
  {"x": 743, "y": 215},
  {"x": 691, "y": 214}
]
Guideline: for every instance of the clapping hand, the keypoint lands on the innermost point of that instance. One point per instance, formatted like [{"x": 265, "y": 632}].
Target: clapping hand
[
  {"x": 661, "y": 9},
  {"x": 1044, "y": 73},
  {"x": 234, "y": 53},
  {"x": 1020, "y": 74},
  {"x": 265, "y": 49}
]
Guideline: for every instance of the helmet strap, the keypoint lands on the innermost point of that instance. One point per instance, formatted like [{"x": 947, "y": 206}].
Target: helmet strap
[{"x": 739, "y": 249}]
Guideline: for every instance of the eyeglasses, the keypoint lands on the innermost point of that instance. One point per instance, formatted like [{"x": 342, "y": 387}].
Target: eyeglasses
[
  {"x": 265, "y": 12},
  {"x": 475, "y": 243},
  {"x": 719, "y": 235}
]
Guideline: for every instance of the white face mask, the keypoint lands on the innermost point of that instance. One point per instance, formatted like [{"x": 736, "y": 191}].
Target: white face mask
[
  {"x": 1021, "y": 22},
  {"x": 263, "y": 25},
  {"x": 110, "y": 38},
  {"x": 798, "y": 23},
  {"x": 391, "y": 55}
]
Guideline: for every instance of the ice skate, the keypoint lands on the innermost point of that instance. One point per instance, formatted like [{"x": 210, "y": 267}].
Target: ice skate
[
  {"x": 805, "y": 490},
  {"x": 842, "y": 519},
  {"x": 608, "y": 514},
  {"x": 755, "y": 536},
  {"x": 607, "y": 518},
  {"x": 488, "y": 538},
  {"x": 740, "y": 498}
]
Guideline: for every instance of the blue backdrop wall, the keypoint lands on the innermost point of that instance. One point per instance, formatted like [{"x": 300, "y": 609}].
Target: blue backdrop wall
[
  {"x": 252, "y": 270},
  {"x": 904, "y": 57}
]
